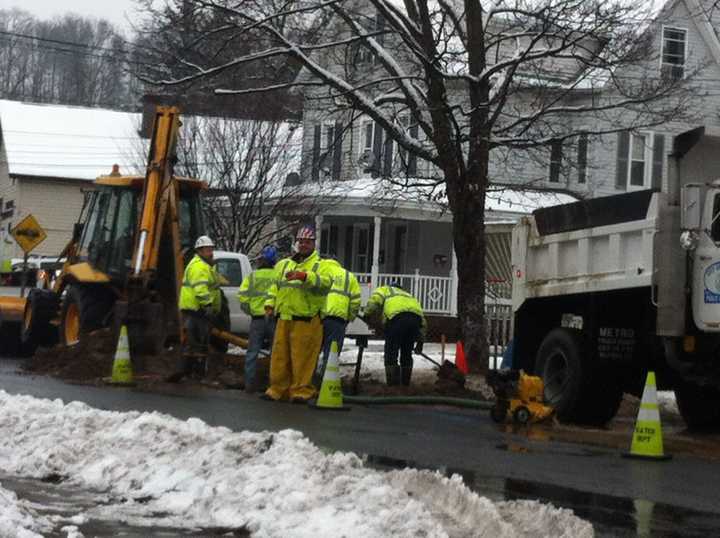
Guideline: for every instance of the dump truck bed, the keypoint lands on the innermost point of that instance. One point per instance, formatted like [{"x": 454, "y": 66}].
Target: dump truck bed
[{"x": 590, "y": 246}]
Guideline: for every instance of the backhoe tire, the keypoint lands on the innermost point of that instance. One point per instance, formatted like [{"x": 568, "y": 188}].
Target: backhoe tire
[
  {"x": 580, "y": 387},
  {"x": 85, "y": 308},
  {"x": 699, "y": 406},
  {"x": 36, "y": 330}
]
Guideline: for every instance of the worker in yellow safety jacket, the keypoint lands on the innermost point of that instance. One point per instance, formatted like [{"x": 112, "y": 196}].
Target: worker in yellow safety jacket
[
  {"x": 296, "y": 299},
  {"x": 404, "y": 325},
  {"x": 200, "y": 302},
  {"x": 340, "y": 308},
  {"x": 252, "y": 294}
]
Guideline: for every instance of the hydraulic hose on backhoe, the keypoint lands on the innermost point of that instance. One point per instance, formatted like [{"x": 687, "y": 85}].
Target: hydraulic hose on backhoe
[{"x": 419, "y": 400}]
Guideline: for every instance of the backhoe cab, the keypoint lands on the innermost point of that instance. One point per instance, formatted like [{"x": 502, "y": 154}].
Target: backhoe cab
[{"x": 125, "y": 262}]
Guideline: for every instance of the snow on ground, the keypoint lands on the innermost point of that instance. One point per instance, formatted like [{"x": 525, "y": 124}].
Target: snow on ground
[
  {"x": 155, "y": 470},
  {"x": 17, "y": 520}
]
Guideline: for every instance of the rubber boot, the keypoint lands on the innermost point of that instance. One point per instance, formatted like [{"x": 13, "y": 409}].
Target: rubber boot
[
  {"x": 405, "y": 376},
  {"x": 392, "y": 375}
]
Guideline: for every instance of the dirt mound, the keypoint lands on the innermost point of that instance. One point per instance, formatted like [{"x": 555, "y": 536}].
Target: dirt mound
[{"x": 91, "y": 360}]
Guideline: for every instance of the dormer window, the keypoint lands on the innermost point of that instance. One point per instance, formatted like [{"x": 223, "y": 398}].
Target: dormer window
[{"x": 674, "y": 53}]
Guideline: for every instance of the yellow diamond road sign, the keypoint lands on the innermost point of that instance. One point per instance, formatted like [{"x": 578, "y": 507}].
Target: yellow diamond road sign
[{"x": 28, "y": 233}]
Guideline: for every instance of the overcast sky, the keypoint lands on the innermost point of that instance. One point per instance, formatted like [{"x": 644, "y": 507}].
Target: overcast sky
[{"x": 113, "y": 10}]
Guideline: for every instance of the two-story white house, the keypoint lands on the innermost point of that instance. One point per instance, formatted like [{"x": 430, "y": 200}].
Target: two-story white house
[{"x": 389, "y": 230}]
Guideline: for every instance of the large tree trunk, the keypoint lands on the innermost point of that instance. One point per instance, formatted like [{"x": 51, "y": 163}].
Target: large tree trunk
[
  {"x": 466, "y": 188},
  {"x": 469, "y": 240}
]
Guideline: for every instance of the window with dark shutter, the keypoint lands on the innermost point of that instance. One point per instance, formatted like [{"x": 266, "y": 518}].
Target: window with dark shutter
[
  {"x": 388, "y": 157},
  {"x": 658, "y": 160},
  {"x": 582, "y": 154},
  {"x": 316, "y": 153},
  {"x": 377, "y": 150},
  {"x": 621, "y": 165},
  {"x": 337, "y": 151},
  {"x": 412, "y": 158},
  {"x": 555, "y": 160}
]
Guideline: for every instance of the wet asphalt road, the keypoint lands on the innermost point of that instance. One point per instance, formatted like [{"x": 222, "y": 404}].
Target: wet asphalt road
[{"x": 621, "y": 497}]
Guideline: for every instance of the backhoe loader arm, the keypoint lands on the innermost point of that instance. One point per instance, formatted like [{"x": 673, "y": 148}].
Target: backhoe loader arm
[{"x": 159, "y": 182}]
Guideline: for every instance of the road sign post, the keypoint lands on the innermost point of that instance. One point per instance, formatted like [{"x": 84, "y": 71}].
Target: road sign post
[{"x": 28, "y": 234}]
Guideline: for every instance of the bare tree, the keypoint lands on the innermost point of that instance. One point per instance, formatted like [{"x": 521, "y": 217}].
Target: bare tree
[
  {"x": 251, "y": 168},
  {"x": 69, "y": 60},
  {"x": 479, "y": 82}
]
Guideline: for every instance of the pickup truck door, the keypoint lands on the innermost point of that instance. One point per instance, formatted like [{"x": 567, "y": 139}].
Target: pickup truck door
[
  {"x": 706, "y": 267},
  {"x": 234, "y": 270}
]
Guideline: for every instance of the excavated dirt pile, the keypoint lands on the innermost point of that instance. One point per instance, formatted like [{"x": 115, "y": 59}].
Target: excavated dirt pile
[
  {"x": 91, "y": 360},
  {"x": 445, "y": 381}
]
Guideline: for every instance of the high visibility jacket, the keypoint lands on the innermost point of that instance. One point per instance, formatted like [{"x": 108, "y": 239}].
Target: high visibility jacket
[
  {"x": 253, "y": 291},
  {"x": 394, "y": 301},
  {"x": 295, "y": 298},
  {"x": 343, "y": 299},
  {"x": 201, "y": 286}
]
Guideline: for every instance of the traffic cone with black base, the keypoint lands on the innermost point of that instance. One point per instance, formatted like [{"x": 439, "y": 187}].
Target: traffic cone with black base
[
  {"x": 331, "y": 396},
  {"x": 647, "y": 442},
  {"x": 122, "y": 372}
]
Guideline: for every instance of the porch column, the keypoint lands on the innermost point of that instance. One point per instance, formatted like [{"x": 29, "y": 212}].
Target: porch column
[
  {"x": 318, "y": 231},
  {"x": 375, "y": 269},
  {"x": 453, "y": 284}
]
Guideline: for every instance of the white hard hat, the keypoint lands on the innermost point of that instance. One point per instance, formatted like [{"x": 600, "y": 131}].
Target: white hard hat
[{"x": 204, "y": 241}]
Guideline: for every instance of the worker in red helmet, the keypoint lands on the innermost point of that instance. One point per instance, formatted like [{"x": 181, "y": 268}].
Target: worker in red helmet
[{"x": 296, "y": 299}]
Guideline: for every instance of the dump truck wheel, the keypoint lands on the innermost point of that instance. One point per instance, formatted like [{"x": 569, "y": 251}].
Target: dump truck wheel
[
  {"x": 579, "y": 387},
  {"x": 84, "y": 309},
  {"x": 560, "y": 364},
  {"x": 36, "y": 329},
  {"x": 699, "y": 406}
]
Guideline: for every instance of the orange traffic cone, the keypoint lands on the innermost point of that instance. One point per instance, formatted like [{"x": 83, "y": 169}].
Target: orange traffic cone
[{"x": 460, "y": 361}]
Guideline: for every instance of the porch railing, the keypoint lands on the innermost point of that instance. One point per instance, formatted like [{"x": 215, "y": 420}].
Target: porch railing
[{"x": 435, "y": 296}]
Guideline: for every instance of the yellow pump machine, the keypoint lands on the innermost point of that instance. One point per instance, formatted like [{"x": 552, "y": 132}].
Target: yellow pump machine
[{"x": 518, "y": 395}]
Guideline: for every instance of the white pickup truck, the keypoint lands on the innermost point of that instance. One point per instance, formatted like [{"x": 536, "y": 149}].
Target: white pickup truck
[
  {"x": 234, "y": 266},
  {"x": 606, "y": 289}
]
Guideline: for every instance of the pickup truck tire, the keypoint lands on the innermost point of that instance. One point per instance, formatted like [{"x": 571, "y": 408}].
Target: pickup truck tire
[
  {"x": 84, "y": 309},
  {"x": 36, "y": 330},
  {"x": 699, "y": 406},
  {"x": 579, "y": 386}
]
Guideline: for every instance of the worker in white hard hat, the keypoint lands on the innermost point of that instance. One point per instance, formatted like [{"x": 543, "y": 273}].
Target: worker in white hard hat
[{"x": 200, "y": 302}]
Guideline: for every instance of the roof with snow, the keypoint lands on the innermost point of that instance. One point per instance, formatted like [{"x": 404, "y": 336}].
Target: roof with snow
[
  {"x": 61, "y": 141},
  {"x": 503, "y": 205}
]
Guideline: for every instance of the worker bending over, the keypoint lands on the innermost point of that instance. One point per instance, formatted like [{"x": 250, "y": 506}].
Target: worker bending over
[
  {"x": 340, "y": 307},
  {"x": 200, "y": 300},
  {"x": 404, "y": 325},
  {"x": 253, "y": 294},
  {"x": 296, "y": 298}
]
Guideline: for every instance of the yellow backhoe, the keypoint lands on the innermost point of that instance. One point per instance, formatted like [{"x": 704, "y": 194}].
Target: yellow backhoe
[{"x": 124, "y": 263}]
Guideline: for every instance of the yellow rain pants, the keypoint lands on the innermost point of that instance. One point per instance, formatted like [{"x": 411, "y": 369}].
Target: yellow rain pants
[{"x": 295, "y": 351}]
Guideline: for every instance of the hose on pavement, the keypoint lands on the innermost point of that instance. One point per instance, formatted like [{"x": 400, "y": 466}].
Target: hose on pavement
[{"x": 419, "y": 400}]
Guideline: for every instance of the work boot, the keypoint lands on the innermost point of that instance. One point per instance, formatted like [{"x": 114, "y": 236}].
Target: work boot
[
  {"x": 392, "y": 375},
  {"x": 405, "y": 375}
]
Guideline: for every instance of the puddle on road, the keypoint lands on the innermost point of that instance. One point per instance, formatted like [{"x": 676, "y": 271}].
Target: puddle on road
[
  {"x": 59, "y": 501},
  {"x": 610, "y": 516}
]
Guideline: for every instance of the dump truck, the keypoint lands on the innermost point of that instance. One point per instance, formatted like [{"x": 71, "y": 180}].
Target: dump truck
[
  {"x": 124, "y": 262},
  {"x": 607, "y": 289}
]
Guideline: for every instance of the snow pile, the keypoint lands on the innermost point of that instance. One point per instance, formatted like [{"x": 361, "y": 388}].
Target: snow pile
[
  {"x": 17, "y": 520},
  {"x": 158, "y": 470}
]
